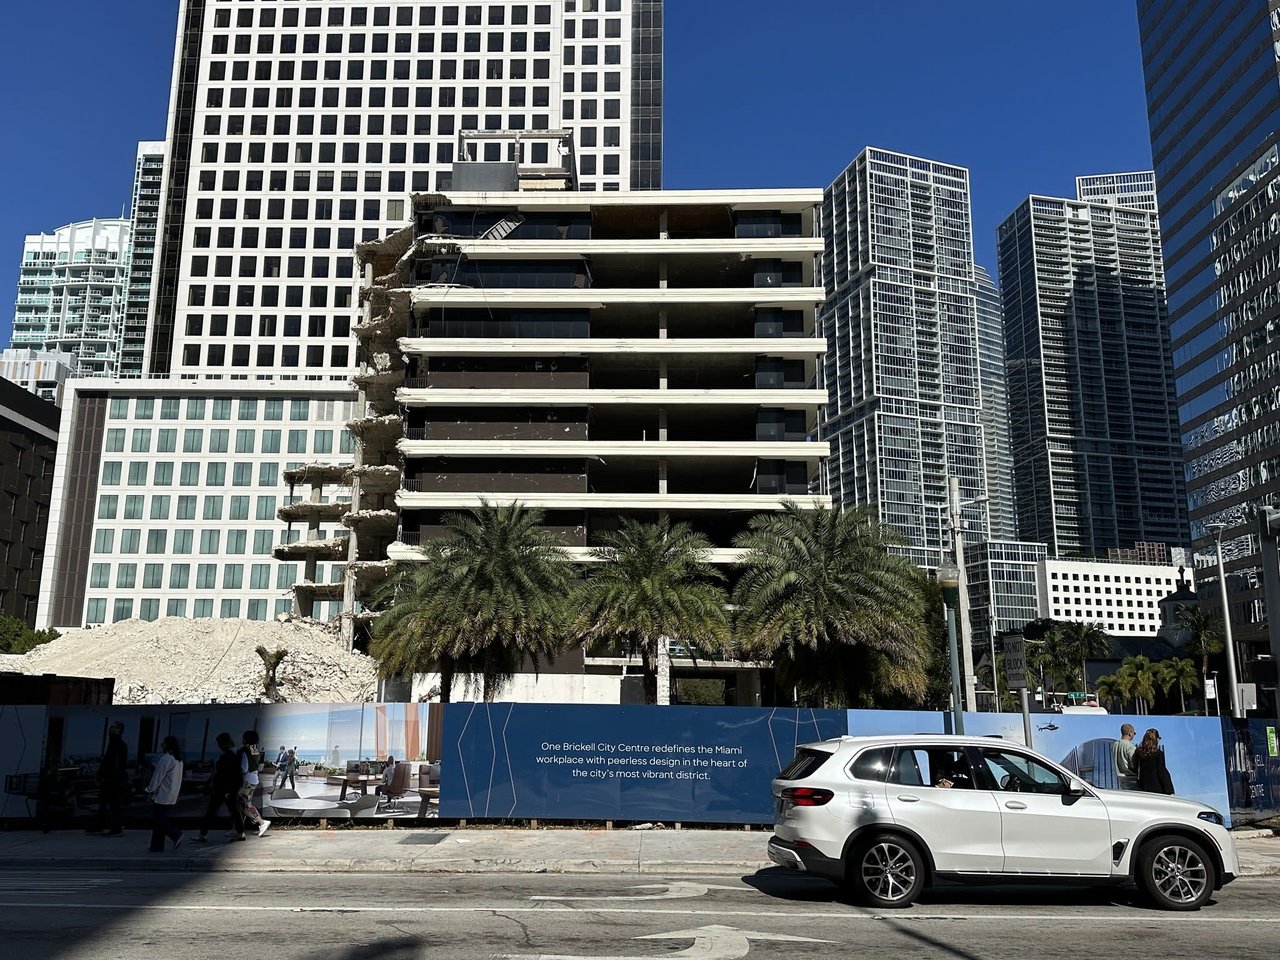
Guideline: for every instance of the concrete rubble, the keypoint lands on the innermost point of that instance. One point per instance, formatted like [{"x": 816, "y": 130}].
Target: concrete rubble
[{"x": 176, "y": 660}]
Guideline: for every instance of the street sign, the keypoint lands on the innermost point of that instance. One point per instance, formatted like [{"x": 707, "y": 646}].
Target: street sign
[
  {"x": 1248, "y": 694},
  {"x": 1211, "y": 689},
  {"x": 1015, "y": 662},
  {"x": 1273, "y": 746}
]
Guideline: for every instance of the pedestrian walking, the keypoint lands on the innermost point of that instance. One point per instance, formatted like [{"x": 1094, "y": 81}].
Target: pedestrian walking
[
  {"x": 290, "y": 768},
  {"x": 163, "y": 788},
  {"x": 1122, "y": 757},
  {"x": 224, "y": 788},
  {"x": 113, "y": 780},
  {"x": 250, "y": 763},
  {"x": 1149, "y": 766}
]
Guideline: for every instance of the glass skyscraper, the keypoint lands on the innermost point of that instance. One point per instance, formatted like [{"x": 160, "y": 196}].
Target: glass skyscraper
[
  {"x": 995, "y": 408},
  {"x": 902, "y": 366},
  {"x": 1090, "y": 377},
  {"x": 1213, "y": 102}
]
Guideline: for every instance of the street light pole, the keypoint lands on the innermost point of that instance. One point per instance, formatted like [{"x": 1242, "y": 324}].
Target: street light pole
[
  {"x": 949, "y": 581},
  {"x": 1233, "y": 689},
  {"x": 962, "y": 607}
]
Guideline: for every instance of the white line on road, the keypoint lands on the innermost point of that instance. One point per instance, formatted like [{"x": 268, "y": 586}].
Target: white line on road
[
  {"x": 1125, "y": 917},
  {"x": 679, "y": 890},
  {"x": 715, "y": 942}
]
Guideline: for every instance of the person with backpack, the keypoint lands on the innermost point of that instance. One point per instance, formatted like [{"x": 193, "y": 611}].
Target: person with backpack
[
  {"x": 250, "y": 763},
  {"x": 163, "y": 788},
  {"x": 224, "y": 789}
]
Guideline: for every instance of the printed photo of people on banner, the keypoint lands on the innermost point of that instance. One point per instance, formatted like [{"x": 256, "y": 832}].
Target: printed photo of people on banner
[{"x": 241, "y": 765}]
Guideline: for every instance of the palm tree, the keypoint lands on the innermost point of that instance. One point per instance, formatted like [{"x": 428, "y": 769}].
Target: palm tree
[
  {"x": 654, "y": 582},
  {"x": 1179, "y": 673},
  {"x": 1077, "y": 642},
  {"x": 1204, "y": 633},
  {"x": 404, "y": 641},
  {"x": 1115, "y": 688},
  {"x": 840, "y": 615},
  {"x": 1143, "y": 677},
  {"x": 491, "y": 593}
]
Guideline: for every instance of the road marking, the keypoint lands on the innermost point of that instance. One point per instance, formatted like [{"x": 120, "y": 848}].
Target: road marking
[
  {"x": 680, "y": 890},
  {"x": 50, "y": 883},
  {"x": 713, "y": 942},
  {"x": 1126, "y": 916}
]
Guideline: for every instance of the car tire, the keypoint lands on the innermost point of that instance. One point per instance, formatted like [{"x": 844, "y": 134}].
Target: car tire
[
  {"x": 1176, "y": 873},
  {"x": 885, "y": 870}
]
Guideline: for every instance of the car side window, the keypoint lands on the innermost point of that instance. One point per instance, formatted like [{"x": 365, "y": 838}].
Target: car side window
[
  {"x": 910, "y": 767},
  {"x": 1017, "y": 773},
  {"x": 872, "y": 764}
]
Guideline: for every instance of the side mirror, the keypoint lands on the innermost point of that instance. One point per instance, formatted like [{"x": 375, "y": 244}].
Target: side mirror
[{"x": 1075, "y": 788}]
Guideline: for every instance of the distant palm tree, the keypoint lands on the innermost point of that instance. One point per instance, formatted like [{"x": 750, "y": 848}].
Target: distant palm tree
[
  {"x": 840, "y": 615},
  {"x": 488, "y": 595},
  {"x": 654, "y": 581},
  {"x": 1074, "y": 643},
  {"x": 1115, "y": 688},
  {"x": 1180, "y": 674},
  {"x": 1203, "y": 632},
  {"x": 1143, "y": 677},
  {"x": 404, "y": 639}
]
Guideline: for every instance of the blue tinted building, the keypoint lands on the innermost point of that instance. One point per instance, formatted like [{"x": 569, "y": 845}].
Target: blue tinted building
[{"x": 1213, "y": 102}]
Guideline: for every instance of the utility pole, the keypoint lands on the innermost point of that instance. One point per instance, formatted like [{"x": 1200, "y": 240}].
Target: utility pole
[
  {"x": 1232, "y": 684},
  {"x": 962, "y": 611}
]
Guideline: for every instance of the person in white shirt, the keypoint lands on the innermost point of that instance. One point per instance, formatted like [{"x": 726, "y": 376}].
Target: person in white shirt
[{"x": 163, "y": 788}]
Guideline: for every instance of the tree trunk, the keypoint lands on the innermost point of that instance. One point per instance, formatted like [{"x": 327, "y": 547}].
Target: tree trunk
[
  {"x": 446, "y": 679},
  {"x": 650, "y": 671},
  {"x": 1182, "y": 697}
]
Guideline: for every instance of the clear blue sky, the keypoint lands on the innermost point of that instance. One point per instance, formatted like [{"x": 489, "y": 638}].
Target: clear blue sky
[{"x": 1025, "y": 93}]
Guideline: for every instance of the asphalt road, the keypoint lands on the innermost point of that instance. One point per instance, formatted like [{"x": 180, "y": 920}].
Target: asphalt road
[{"x": 175, "y": 916}]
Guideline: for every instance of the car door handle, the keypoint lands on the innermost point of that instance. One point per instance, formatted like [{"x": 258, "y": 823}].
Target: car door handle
[
  {"x": 908, "y": 798},
  {"x": 1015, "y": 805}
]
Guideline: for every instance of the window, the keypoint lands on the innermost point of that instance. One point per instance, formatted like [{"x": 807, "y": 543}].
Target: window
[
  {"x": 1015, "y": 772},
  {"x": 236, "y": 541},
  {"x": 179, "y": 576},
  {"x": 108, "y": 506},
  {"x": 257, "y": 609},
  {"x": 115, "y": 440},
  {"x": 270, "y": 442},
  {"x": 182, "y": 541},
  {"x": 286, "y": 575},
  {"x": 244, "y": 441},
  {"x": 160, "y": 508},
  {"x": 232, "y": 576},
  {"x": 215, "y": 474},
  {"x": 297, "y": 441},
  {"x": 931, "y": 767},
  {"x": 206, "y": 576},
  {"x": 111, "y": 473},
  {"x": 142, "y": 441},
  {"x": 203, "y": 608},
  {"x": 267, "y": 474},
  {"x": 156, "y": 541},
  {"x": 119, "y": 408},
  {"x": 121, "y": 610},
  {"x": 209, "y": 541},
  {"x": 239, "y": 508},
  {"x": 153, "y": 576},
  {"x": 130, "y": 540},
  {"x": 167, "y": 441},
  {"x": 192, "y": 441},
  {"x": 266, "y": 508},
  {"x": 96, "y": 611},
  {"x": 262, "y": 543},
  {"x": 133, "y": 507},
  {"x": 104, "y": 541},
  {"x": 100, "y": 575},
  {"x": 259, "y": 576},
  {"x": 213, "y": 508},
  {"x": 218, "y": 440},
  {"x": 126, "y": 576},
  {"x": 190, "y": 475}
]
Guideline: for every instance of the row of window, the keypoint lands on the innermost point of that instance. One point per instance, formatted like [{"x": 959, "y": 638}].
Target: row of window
[
  {"x": 215, "y": 355},
  {"x": 313, "y": 295},
  {"x": 211, "y": 541},
  {"x": 380, "y": 16},
  {"x": 221, "y": 325},
  {"x": 1108, "y": 578},
  {"x": 184, "y": 508},
  {"x": 228, "y": 608},
  {"x": 220, "y": 408},
  {"x": 233, "y": 576},
  {"x": 219, "y": 442}
]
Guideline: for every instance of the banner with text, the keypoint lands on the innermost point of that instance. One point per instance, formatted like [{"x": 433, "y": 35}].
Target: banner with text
[{"x": 577, "y": 762}]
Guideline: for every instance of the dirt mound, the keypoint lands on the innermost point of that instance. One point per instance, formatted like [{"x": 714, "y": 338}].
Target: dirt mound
[{"x": 175, "y": 660}]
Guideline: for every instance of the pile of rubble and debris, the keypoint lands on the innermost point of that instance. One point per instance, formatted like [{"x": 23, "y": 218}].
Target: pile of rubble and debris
[{"x": 175, "y": 660}]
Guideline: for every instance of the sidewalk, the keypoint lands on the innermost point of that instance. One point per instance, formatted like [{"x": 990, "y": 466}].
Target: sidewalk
[{"x": 423, "y": 850}]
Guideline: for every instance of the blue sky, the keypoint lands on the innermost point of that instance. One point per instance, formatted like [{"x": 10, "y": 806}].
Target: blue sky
[{"x": 1026, "y": 94}]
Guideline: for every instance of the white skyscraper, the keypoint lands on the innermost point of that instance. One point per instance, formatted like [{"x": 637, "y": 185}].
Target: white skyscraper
[
  {"x": 71, "y": 293},
  {"x": 144, "y": 212},
  {"x": 1137, "y": 189},
  {"x": 298, "y": 130}
]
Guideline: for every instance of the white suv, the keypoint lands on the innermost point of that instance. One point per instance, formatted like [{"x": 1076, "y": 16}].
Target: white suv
[{"x": 888, "y": 815}]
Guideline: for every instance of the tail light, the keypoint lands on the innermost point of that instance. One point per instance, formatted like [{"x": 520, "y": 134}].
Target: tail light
[{"x": 807, "y": 796}]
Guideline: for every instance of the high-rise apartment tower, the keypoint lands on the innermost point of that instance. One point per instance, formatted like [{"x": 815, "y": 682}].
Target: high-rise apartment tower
[
  {"x": 995, "y": 408},
  {"x": 902, "y": 367},
  {"x": 1090, "y": 377}
]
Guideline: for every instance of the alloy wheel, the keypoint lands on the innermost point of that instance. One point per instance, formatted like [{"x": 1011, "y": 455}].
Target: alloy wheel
[
  {"x": 1179, "y": 873},
  {"x": 888, "y": 871}
]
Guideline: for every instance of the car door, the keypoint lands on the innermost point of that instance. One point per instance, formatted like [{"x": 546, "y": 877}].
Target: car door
[
  {"x": 1045, "y": 830},
  {"x": 959, "y": 821}
]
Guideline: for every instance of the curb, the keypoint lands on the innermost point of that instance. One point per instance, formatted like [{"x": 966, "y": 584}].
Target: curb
[{"x": 453, "y": 866}]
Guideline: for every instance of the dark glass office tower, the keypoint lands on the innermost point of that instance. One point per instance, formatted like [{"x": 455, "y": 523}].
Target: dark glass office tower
[{"x": 1213, "y": 101}]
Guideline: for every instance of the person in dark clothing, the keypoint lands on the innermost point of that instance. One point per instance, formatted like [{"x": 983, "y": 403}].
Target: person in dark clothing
[
  {"x": 113, "y": 780},
  {"x": 224, "y": 789},
  {"x": 1149, "y": 768}
]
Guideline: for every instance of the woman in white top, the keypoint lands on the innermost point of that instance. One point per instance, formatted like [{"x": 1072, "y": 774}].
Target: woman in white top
[{"x": 163, "y": 788}]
